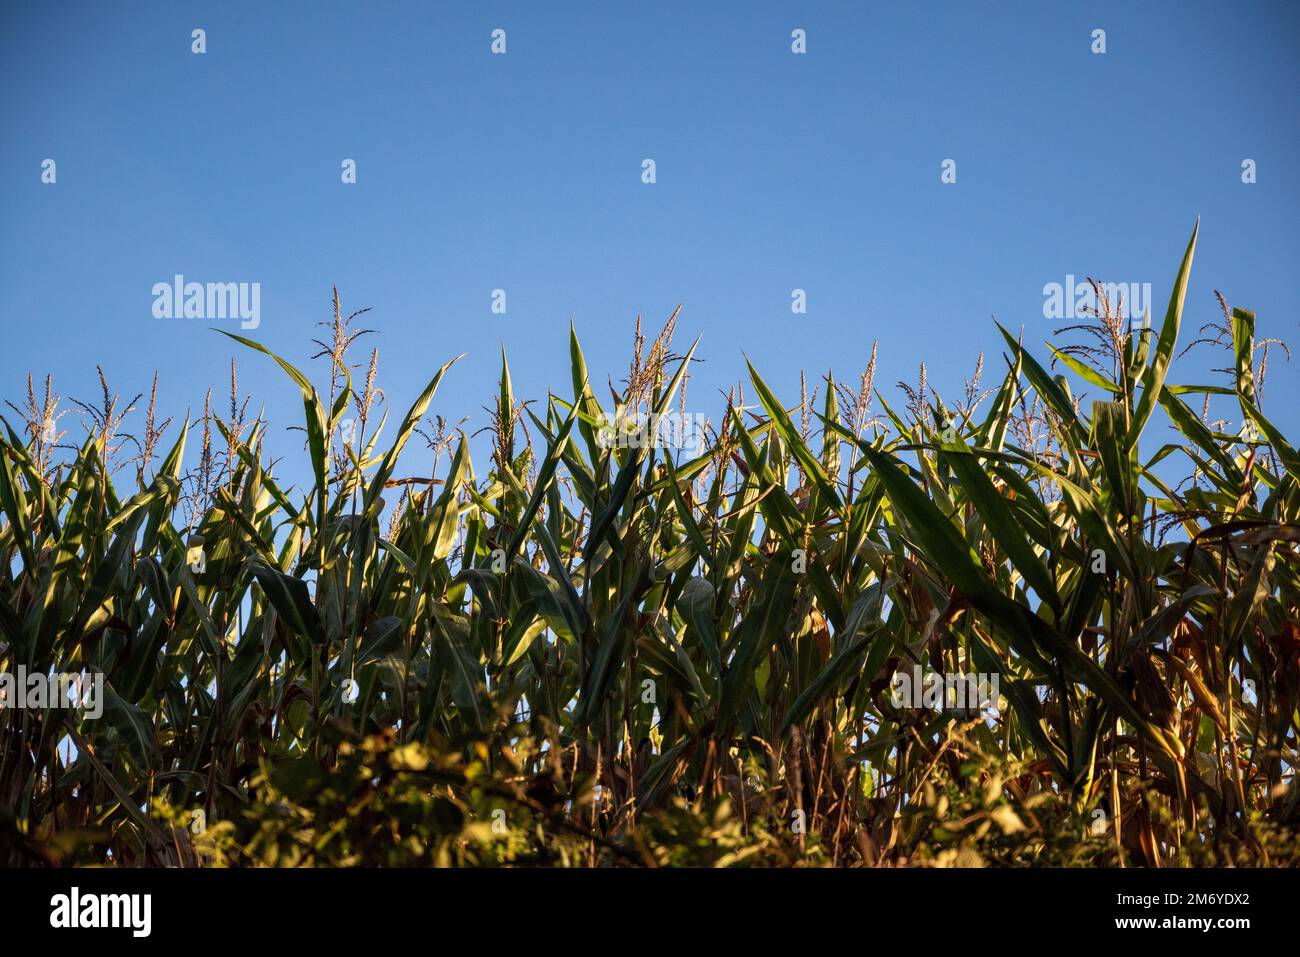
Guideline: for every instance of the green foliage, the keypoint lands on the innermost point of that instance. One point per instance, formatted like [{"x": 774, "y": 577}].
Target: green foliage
[{"x": 631, "y": 656}]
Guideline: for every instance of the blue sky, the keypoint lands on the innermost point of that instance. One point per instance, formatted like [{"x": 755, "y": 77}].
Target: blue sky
[{"x": 775, "y": 171}]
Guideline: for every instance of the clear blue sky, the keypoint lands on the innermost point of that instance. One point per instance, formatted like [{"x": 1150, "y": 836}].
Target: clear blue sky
[{"x": 523, "y": 172}]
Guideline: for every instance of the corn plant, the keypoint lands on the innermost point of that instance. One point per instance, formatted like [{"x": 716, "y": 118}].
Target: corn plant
[{"x": 613, "y": 653}]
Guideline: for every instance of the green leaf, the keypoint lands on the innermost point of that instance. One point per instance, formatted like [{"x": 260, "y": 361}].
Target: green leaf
[{"x": 1153, "y": 376}]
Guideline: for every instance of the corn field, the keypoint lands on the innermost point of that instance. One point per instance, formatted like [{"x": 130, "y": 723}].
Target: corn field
[{"x": 594, "y": 653}]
